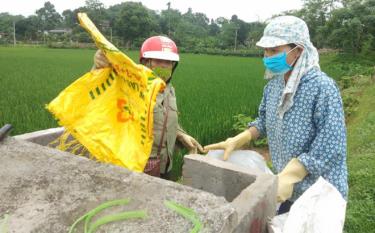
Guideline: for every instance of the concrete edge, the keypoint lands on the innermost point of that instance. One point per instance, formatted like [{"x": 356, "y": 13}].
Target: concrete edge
[
  {"x": 41, "y": 137},
  {"x": 261, "y": 203},
  {"x": 222, "y": 164}
]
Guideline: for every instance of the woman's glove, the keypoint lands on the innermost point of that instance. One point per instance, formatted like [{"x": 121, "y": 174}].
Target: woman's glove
[
  {"x": 231, "y": 144},
  {"x": 293, "y": 172}
]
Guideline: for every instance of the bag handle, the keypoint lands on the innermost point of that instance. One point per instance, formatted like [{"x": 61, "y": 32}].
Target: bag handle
[{"x": 164, "y": 128}]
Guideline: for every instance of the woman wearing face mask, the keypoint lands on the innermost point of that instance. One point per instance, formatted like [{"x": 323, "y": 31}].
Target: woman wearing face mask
[
  {"x": 160, "y": 54},
  {"x": 301, "y": 114}
]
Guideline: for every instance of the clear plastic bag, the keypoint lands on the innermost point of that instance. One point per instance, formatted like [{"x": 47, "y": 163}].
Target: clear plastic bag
[{"x": 244, "y": 158}]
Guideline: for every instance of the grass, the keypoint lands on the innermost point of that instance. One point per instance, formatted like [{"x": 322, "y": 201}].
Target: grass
[
  {"x": 30, "y": 78},
  {"x": 360, "y": 212},
  {"x": 340, "y": 65},
  {"x": 209, "y": 89},
  {"x": 360, "y": 216},
  {"x": 212, "y": 89}
]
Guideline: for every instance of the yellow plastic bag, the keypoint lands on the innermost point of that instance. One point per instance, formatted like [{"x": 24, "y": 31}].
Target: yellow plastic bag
[{"x": 110, "y": 111}]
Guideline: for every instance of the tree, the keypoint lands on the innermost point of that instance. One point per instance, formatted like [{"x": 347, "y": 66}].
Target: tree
[
  {"x": 48, "y": 17},
  {"x": 242, "y": 29},
  {"x": 352, "y": 26},
  {"x": 316, "y": 13},
  {"x": 228, "y": 33},
  {"x": 69, "y": 18},
  {"x": 6, "y": 25},
  {"x": 94, "y": 5},
  {"x": 213, "y": 28},
  {"x": 348, "y": 25},
  {"x": 27, "y": 28},
  {"x": 255, "y": 33},
  {"x": 134, "y": 23},
  {"x": 193, "y": 25},
  {"x": 97, "y": 13},
  {"x": 169, "y": 21}
]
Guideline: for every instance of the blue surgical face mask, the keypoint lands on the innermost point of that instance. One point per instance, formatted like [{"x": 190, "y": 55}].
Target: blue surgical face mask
[{"x": 277, "y": 64}]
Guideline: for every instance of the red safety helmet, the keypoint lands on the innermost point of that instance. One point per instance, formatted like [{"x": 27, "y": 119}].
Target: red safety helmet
[{"x": 159, "y": 47}]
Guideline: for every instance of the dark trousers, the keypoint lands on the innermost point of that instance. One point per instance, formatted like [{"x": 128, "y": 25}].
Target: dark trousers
[{"x": 284, "y": 207}]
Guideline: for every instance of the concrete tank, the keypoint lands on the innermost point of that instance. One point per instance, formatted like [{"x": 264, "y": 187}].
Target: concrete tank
[{"x": 45, "y": 190}]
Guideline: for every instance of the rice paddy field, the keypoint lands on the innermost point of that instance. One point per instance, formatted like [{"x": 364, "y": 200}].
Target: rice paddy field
[{"x": 209, "y": 89}]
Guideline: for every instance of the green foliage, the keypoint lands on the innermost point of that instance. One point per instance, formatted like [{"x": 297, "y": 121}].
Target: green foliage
[
  {"x": 351, "y": 88},
  {"x": 240, "y": 124},
  {"x": 368, "y": 45},
  {"x": 169, "y": 21},
  {"x": 90, "y": 226},
  {"x": 345, "y": 25},
  {"x": 130, "y": 23},
  {"x": 256, "y": 52},
  {"x": 48, "y": 17},
  {"x": 350, "y": 100},
  {"x": 209, "y": 89},
  {"x": 340, "y": 65},
  {"x": 361, "y": 150},
  {"x": 133, "y": 22},
  {"x": 32, "y": 77},
  {"x": 352, "y": 74},
  {"x": 97, "y": 13},
  {"x": 6, "y": 27},
  {"x": 187, "y": 213}
]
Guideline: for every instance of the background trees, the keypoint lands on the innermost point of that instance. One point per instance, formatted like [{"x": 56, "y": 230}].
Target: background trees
[{"x": 348, "y": 25}]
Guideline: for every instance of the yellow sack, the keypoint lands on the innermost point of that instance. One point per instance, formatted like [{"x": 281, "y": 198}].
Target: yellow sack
[{"x": 110, "y": 111}]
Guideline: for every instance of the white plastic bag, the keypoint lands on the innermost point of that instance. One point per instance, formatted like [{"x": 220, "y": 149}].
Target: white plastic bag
[
  {"x": 320, "y": 209},
  {"x": 244, "y": 158}
]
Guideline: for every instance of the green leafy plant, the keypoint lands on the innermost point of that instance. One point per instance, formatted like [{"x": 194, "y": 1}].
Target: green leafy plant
[{"x": 240, "y": 124}]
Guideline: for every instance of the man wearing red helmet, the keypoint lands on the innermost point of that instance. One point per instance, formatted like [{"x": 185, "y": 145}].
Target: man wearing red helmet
[{"x": 160, "y": 54}]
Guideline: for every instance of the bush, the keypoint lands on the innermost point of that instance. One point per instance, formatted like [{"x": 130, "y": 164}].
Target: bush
[
  {"x": 70, "y": 45},
  {"x": 224, "y": 52},
  {"x": 351, "y": 88},
  {"x": 240, "y": 124}
]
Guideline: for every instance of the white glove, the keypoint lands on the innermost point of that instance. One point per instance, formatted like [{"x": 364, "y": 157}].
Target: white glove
[
  {"x": 231, "y": 144},
  {"x": 293, "y": 173},
  {"x": 100, "y": 61},
  {"x": 190, "y": 143}
]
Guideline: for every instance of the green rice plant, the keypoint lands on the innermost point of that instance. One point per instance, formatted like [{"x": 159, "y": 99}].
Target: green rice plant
[
  {"x": 209, "y": 89},
  {"x": 91, "y": 227},
  {"x": 186, "y": 213},
  {"x": 212, "y": 89}
]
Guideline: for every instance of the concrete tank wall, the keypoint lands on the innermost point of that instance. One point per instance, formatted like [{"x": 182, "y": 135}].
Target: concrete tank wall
[{"x": 249, "y": 194}]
